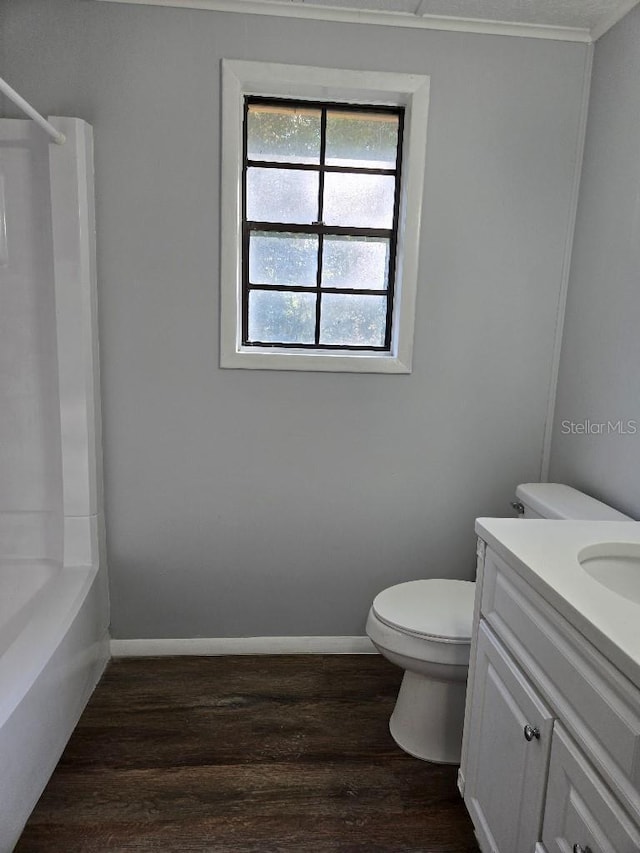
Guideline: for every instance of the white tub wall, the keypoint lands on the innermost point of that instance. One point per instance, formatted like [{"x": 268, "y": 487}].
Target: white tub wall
[
  {"x": 30, "y": 464},
  {"x": 51, "y": 494},
  {"x": 64, "y": 647},
  {"x": 72, "y": 190},
  {"x": 76, "y": 297},
  {"x": 74, "y": 254},
  {"x": 50, "y": 418}
]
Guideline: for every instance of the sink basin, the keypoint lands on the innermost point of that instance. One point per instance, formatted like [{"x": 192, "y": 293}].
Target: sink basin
[{"x": 615, "y": 565}]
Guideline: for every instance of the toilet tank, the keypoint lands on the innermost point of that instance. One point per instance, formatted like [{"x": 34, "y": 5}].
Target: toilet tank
[{"x": 554, "y": 500}]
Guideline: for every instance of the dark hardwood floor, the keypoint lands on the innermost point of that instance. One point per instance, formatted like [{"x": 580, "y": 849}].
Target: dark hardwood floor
[{"x": 246, "y": 755}]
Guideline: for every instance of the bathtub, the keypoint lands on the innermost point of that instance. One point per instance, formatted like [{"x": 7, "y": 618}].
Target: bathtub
[
  {"x": 53, "y": 649},
  {"x": 54, "y": 603}
]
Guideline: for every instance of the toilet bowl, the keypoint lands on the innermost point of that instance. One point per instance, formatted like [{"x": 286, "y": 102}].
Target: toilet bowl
[{"x": 424, "y": 626}]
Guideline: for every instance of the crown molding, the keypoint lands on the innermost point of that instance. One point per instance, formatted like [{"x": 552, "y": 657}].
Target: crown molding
[{"x": 298, "y": 9}]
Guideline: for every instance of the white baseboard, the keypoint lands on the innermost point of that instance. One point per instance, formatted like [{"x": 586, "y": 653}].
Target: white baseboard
[{"x": 243, "y": 646}]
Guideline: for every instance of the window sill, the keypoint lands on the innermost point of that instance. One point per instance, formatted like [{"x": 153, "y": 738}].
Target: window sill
[{"x": 253, "y": 358}]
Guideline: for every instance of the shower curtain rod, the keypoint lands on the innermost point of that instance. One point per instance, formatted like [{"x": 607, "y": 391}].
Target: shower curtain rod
[{"x": 26, "y": 107}]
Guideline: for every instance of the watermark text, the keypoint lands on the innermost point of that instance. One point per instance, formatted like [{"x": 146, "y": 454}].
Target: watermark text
[{"x": 587, "y": 427}]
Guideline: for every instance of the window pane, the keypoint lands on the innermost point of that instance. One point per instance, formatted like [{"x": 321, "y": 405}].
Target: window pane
[
  {"x": 282, "y": 195},
  {"x": 277, "y": 317},
  {"x": 290, "y": 134},
  {"x": 279, "y": 258},
  {"x": 364, "y": 201},
  {"x": 362, "y": 139},
  {"x": 353, "y": 319},
  {"x": 358, "y": 262}
]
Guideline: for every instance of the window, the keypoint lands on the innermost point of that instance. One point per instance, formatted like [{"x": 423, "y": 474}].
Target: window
[{"x": 321, "y": 197}]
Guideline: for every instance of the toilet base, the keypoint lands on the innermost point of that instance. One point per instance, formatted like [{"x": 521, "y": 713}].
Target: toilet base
[{"x": 428, "y": 718}]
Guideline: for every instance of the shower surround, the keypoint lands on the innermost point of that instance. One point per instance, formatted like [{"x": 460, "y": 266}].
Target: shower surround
[{"x": 54, "y": 608}]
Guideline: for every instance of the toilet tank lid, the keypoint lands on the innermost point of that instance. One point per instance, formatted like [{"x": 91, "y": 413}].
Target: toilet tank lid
[
  {"x": 436, "y": 608},
  {"x": 555, "y": 500}
]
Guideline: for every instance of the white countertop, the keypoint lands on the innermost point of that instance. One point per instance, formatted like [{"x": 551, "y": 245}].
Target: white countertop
[{"x": 545, "y": 554}]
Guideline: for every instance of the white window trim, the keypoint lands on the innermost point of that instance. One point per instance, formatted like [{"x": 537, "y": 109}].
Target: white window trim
[{"x": 240, "y": 78}]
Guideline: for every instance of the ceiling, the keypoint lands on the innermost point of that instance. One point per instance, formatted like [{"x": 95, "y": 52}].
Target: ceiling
[{"x": 568, "y": 20}]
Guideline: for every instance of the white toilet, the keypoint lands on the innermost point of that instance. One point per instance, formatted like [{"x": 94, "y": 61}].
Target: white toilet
[{"x": 424, "y": 626}]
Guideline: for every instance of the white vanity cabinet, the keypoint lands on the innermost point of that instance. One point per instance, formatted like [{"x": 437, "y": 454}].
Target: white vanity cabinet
[
  {"x": 505, "y": 772},
  {"x": 579, "y": 805},
  {"x": 551, "y": 751}
]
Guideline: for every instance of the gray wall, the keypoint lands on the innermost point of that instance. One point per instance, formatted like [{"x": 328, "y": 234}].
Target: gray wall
[
  {"x": 600, "y": 366},
  {"x": 267, "y": 503}
]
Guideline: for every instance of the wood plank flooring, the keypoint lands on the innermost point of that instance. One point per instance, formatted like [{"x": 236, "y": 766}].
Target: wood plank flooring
[{"x": 282, "y": 754}]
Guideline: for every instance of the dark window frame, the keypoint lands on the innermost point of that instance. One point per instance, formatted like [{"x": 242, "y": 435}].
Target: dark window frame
[{"x": 319, "y": 228}]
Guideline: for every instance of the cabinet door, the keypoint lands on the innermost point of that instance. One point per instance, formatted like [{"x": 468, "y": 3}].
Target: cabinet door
[
  {"x": 506, "y": 772},
  {"x": 580, "y": 813}
]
